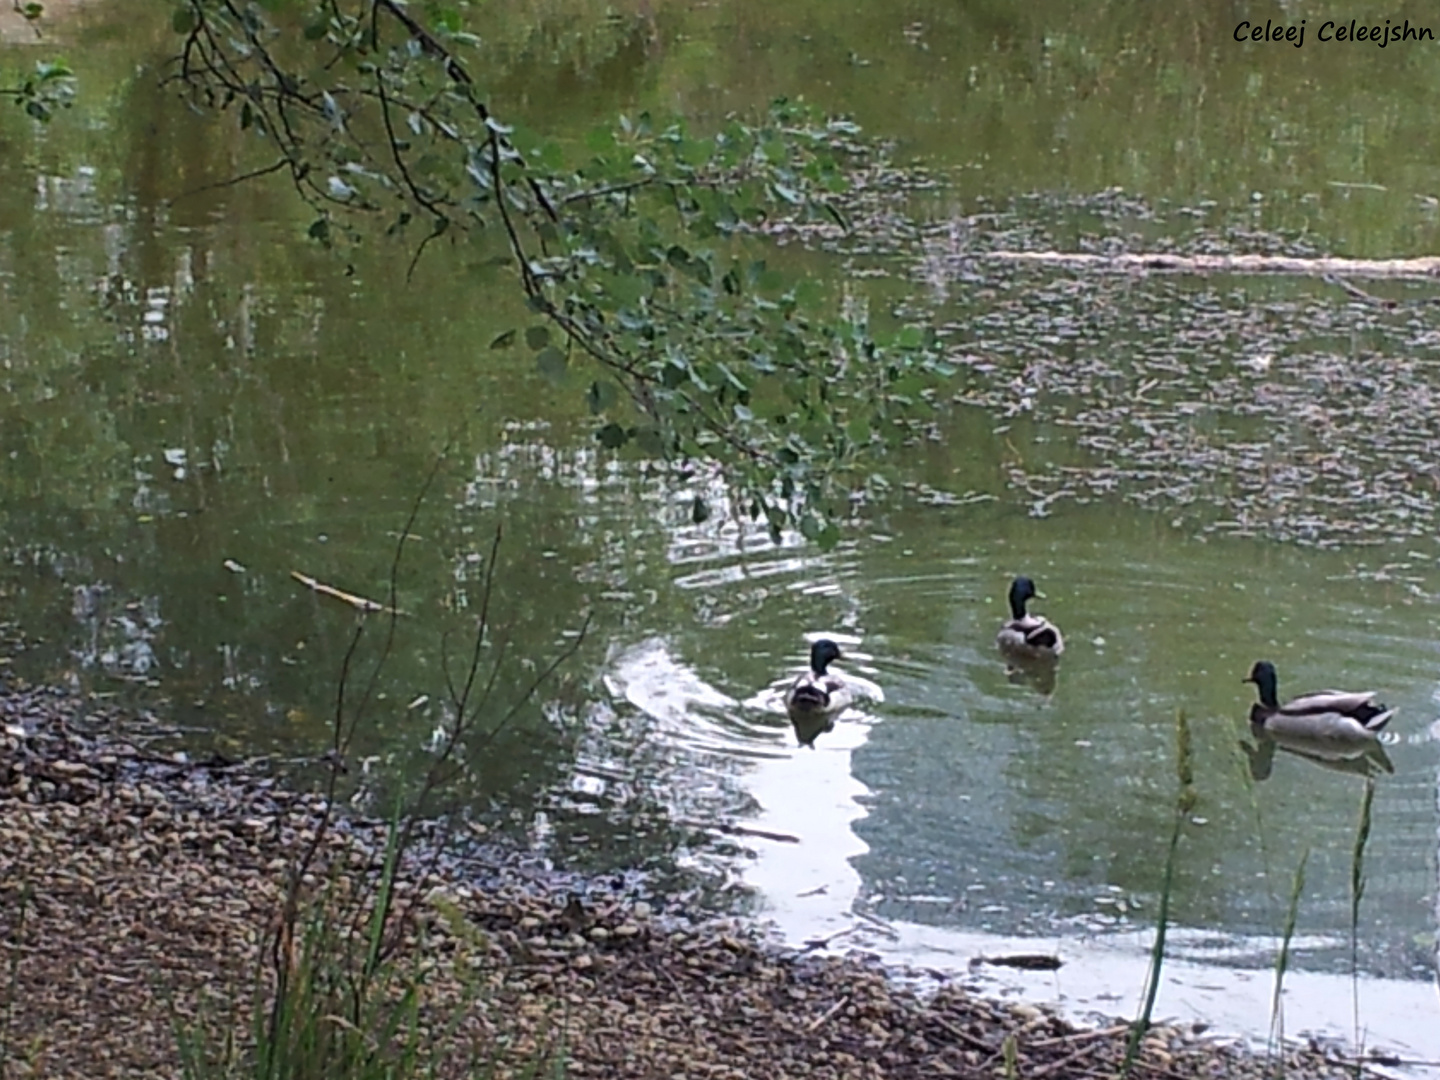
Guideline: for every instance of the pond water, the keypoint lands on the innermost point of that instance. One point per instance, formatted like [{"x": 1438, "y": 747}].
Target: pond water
[{"x": 1198, "y": 472}]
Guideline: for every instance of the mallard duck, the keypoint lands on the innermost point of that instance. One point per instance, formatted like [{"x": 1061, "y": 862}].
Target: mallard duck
[
  {"x": 1028, "y": 637},
  {"x": 818, "y": 696},
  {"x": 1327, "y": 717}
]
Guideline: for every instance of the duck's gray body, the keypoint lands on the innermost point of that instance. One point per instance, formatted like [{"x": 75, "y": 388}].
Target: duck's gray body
[{"x": 1326, "y": 718}]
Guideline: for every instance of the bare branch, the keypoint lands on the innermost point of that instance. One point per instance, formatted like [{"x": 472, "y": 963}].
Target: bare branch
[{"x": 253, "y": 174}]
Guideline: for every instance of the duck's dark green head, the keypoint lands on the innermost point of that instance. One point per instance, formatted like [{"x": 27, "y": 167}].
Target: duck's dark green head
[
  {"x": 1021, "y": 590},
  {"x": 822, "y": 653},
  {"x": 1265, "y": 680}
]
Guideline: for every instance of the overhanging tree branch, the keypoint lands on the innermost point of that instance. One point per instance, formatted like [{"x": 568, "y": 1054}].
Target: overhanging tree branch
[{"x": 647, "y": 258}]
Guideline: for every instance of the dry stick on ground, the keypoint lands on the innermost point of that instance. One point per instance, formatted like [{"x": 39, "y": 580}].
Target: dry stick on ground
[
  {"x": 731, "y": 829},
  {"x": 1081, "y": 1036},
  {"x": 820, "y": 942},
  {"x": 964, "y": 1037},
  {"x": 828, "y": 1014},
  {"x": 1059, "y": 1063}
]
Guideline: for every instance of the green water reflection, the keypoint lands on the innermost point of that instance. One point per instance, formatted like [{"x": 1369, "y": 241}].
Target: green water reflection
[{"x": 194, "y": 403}]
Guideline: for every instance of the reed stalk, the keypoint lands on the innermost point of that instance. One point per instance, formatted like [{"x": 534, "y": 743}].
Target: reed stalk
[
  {"x": 1185, "y": 798},
  {"x": 1357, "y": 892},
  {"x": 1282, "y": 964}
]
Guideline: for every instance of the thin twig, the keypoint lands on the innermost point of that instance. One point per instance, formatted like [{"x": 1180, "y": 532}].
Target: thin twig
[
  {"x": 963, "y": 1036},
  {"x": 828, "y": 1014},
  {"x": 254, "y": 174}
]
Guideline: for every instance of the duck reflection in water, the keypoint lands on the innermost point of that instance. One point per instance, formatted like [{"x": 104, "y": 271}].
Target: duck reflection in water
[
  {"x": 1370, "y": 760},
  {"x": 810, "y": 728},
  {"x": 1039, "y": 675}
]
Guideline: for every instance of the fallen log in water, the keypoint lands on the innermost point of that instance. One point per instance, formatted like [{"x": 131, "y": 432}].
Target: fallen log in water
[{"x": 1421, "y": 268}]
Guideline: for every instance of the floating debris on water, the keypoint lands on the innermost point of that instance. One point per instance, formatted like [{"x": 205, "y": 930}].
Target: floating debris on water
[{"x": 1295, "y": 407}]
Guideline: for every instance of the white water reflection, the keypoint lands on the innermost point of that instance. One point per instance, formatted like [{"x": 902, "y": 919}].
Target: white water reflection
[
  {"x": 810, "y": 888},
  {"x": 1103, "y": 977},
  {"x": 687, "y": 712},
  {"x": 799, "y": 834}
]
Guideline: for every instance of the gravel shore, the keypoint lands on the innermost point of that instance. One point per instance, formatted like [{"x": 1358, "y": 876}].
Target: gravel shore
[{"x": 139, "y": 891}]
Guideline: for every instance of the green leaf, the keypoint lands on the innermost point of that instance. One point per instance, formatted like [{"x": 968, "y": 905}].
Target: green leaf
[
  {"x": 526, "y": 139},
  {"x": 182, "y": 21},
  {"x": 912, "y": 337},
  {"x": 537, "y": 337},
  {"x": 316, "y": 30},
  {"x": 699, "y": 511},
  {"x": 907, "y": 388},
  {"x": 612, "y": 436},
  {"x": 601, "y": 396},
  {"x": 696, "y": 151},
  {"x": 651, "y": 441},
  {"x": 319, "y": 230},
  {"x": 551, "y": 363},
  {"x": 503, "y": 341},
  {"x": 600, "y": 139},
  {"x": 836, "y": 215}
]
